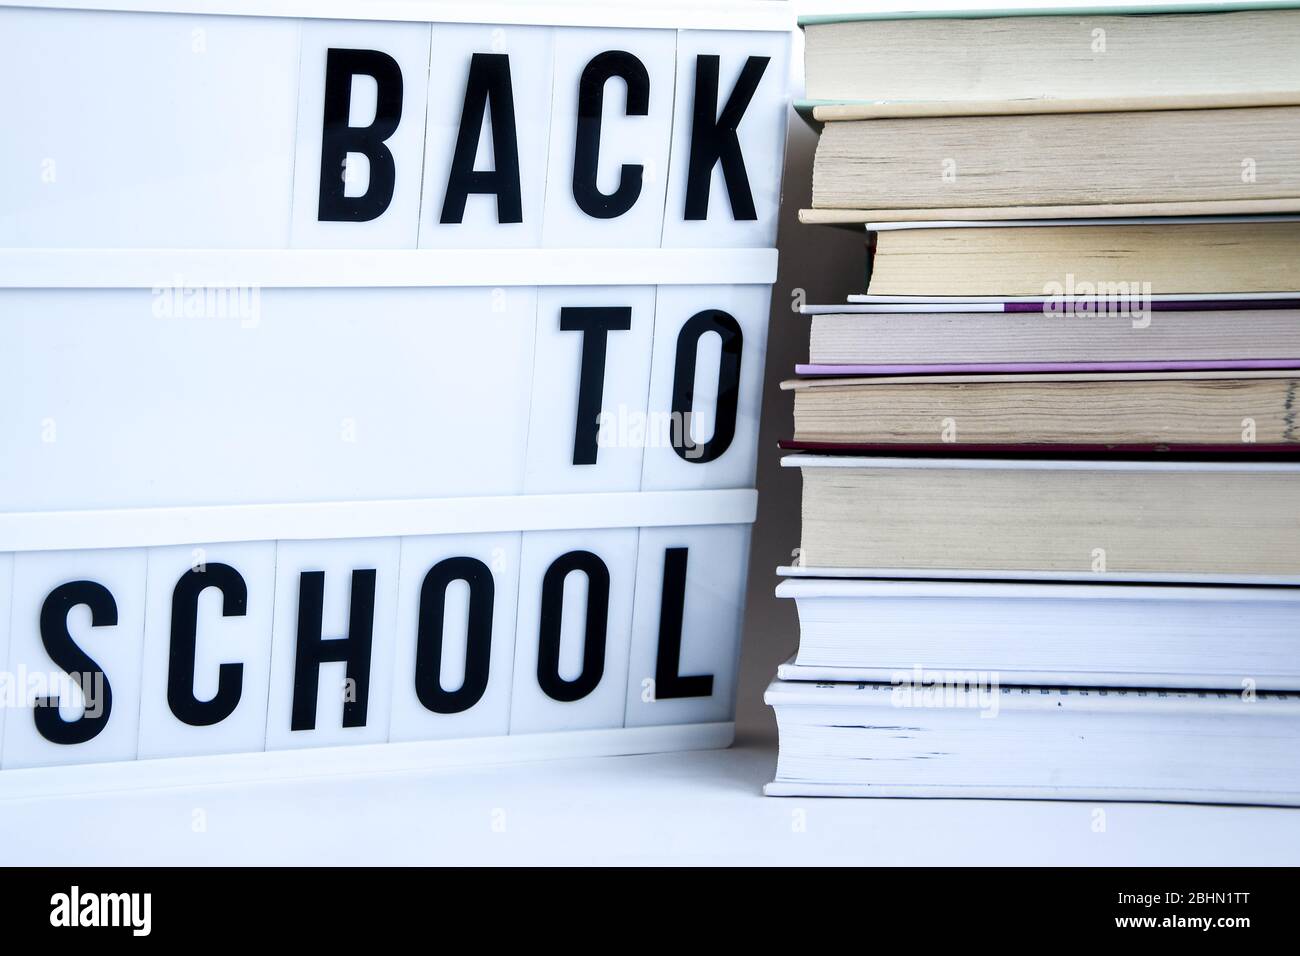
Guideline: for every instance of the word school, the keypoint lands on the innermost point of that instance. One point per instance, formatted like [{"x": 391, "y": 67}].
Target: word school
[{"x": 269, "y": 645}]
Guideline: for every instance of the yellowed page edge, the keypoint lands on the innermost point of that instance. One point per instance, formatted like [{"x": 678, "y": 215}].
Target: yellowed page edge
[
  {"x": 797, "y": 384},
  {"x": 840, "y": 112},
  {"x": 1217, "y": 207}
]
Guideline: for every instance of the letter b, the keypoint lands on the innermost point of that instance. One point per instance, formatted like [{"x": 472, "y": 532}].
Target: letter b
[{"x": 338, "y": 139}]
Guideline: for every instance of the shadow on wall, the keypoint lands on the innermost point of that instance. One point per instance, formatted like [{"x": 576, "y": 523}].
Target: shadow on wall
[{"x": 828, "y": 264}]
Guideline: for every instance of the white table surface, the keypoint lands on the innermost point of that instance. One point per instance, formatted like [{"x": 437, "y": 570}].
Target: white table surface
[{"x": 702, "y": 807}]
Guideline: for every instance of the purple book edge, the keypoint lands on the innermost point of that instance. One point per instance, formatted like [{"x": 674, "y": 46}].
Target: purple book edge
[
  {"x": 1030, "y": 368},
  {"x": 1187, "y": 305}
]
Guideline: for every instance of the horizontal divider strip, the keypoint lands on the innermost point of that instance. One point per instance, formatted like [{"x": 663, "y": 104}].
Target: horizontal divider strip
[
  {"x": 378, "y": 268},
  {"x": 664, "y": 14},
  {"x": 1033, "y": 464},
  {"x": 213, "y": 524},
  {"x": 828, "y": 111},
  {"x": 1021, "y": 576},
  {"x": 1120, "y": 210},
  {"x": 398, "y": 757}
]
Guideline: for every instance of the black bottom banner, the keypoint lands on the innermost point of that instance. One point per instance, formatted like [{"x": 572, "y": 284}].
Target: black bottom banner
[{"x": 335, "y": 905}]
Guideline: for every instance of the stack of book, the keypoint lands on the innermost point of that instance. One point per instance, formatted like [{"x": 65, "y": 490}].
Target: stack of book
[{"x": 1051, "y": 458}]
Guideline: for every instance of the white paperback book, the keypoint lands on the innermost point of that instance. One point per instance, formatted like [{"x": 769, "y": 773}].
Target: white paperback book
[
  {"x": 983, "y": 740},
  {"x": 1047, "y": 634}
]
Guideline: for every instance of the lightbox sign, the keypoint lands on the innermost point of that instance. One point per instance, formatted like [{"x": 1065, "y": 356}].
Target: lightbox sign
[{"x": 383, "y": 382}]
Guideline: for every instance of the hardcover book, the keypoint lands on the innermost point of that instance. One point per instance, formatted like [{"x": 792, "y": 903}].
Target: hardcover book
[
  {"x": 1138, "y": 258},
  {"x": 1074, "y": 634},
  {"x": 1183, "y": 521},
  {"x": 1098, "y": 58},
  {"x": 981, "y": 739},
  {"x": 1191, "y": 162}
]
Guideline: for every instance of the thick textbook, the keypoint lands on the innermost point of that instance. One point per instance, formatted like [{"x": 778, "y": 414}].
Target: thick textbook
[
  {"x": 1249, "y": 412},
  {"x": 846, "y": 340},
  {"x": 1150, "y": 520},
  {"x": 1046, "y": 634},
  {"x": 1032, "y": 61},
  {"x": 1138, "y": 258},
  {"x": 932, "y": 736},
  {"x": 1064, "y": 164}
]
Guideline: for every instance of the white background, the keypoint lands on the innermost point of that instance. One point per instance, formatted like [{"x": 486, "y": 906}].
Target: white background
[{"x": 683, "y": 808}]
